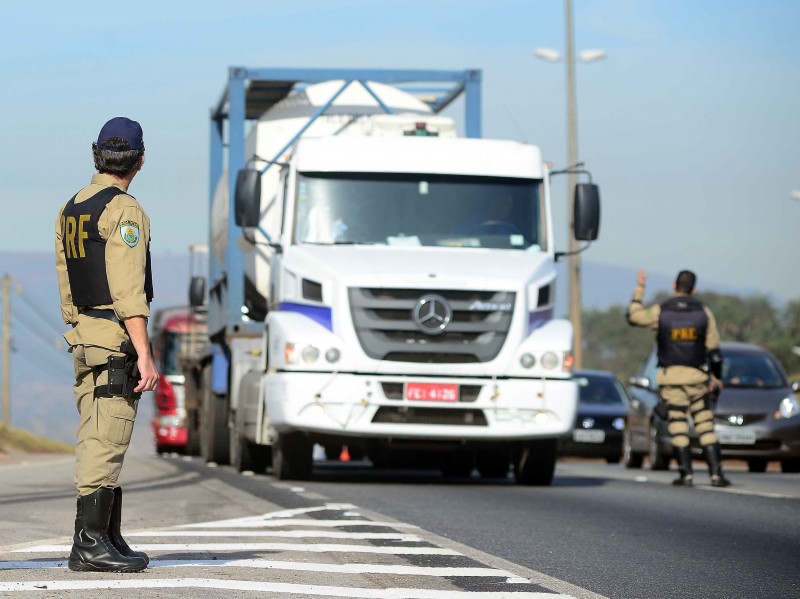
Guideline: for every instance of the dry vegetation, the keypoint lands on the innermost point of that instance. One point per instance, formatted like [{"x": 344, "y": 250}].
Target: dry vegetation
[{"x": 15, "y": 440}]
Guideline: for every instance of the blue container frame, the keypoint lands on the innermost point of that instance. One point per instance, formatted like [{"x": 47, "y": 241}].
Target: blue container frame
[{"x": 226, "y": 277}]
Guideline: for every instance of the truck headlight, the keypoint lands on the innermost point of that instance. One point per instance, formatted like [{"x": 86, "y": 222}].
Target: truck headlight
[
  {"x": 310, "y": 354},
  {"x": 789, "y": 407},
  {"x": 333, "y": 355},
  {"x": 549, "y": 361},
  {"x": 527, "y": 360}
]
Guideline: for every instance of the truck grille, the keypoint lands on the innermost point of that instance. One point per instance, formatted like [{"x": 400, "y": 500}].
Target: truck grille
[{"x": 386, "y": 328}]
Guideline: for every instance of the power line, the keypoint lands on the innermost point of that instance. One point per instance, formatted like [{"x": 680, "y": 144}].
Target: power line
[
  {"x": 48, "y": 340},
  {"x": 60, "y": 376},
  {"x": 32, "y": 305}
]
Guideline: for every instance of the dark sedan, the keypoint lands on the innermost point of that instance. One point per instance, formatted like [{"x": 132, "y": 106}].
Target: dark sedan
[
  {"x": 601, "y": 417},
  {"x": 757, "y": 416}
]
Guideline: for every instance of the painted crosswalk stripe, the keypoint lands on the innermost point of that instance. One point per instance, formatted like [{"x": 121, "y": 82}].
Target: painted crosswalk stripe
[
  {"x": 394, "y": 570},
  {"x": 266, "y": 587},
  {"x": 301, "y": 547},
  {"x": 299, "y": 522},
  {"x": 290, "y": 534},
  {"x": 276, "y": 515}
]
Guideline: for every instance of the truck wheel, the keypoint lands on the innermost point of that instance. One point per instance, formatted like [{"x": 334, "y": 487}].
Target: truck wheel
[
  {"x": 292, "y": 457},
  {"x": 246, "y": 455},
  {"x": 214, "y": 432},
  {"x": 536, "y": 462},
  {"x": 790, "y": 465},
  {"x": 192, "y": 434},
  {"x": 630, "y": 458}
]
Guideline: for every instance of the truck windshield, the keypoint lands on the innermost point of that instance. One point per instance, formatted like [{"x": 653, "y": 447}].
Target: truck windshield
[
  {"x": 418, "y": 210},
  {"x": 169, "y": 364}
]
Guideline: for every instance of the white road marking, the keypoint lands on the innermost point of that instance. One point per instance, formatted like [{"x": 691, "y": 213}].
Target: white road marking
[
  {"x": 299, "y": 567},
  {"x": 281, "y": 514},
  {"x": 291, "y": 534},
  {"x": 300, "y": 547},
  {"x": 298, "y": 522},
  {"x": 265, "y": 587}
]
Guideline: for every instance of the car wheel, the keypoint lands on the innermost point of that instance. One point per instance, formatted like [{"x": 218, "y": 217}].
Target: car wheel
[
  {"x": 790, "y": 466},
  {"x": 657, "y": 458},
  {"x": 630, "y": 458},
  {"x": 757, "y": 465}
]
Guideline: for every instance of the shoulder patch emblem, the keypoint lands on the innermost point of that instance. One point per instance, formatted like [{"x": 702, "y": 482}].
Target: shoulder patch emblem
[{"x": 129, "y": 231}]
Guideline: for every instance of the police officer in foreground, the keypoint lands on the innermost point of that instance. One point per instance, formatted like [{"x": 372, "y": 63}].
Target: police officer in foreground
[
  {"x": 105, "y": 283},
  {"x": 688, "y": 341}
]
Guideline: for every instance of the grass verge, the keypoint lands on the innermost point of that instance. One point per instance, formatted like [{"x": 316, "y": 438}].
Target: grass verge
[{"x": 14, "y": 440}]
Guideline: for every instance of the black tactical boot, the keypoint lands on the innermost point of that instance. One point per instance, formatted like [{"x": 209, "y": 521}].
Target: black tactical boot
[
  {"x": 114, "y": 533},
  {"x": 715, "y": 466},
  {"x": 92, "y": 549},
  {"x": 683, "y": 455}
]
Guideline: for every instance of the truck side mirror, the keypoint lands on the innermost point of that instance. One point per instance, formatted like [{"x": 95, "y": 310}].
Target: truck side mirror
[
  {"x": 247, "y": 207},
  {"x": 586, "y": 211},
  {"x": 197, "y": 292}
]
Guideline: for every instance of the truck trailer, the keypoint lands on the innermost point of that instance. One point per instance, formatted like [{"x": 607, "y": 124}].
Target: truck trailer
[{"x": 378, "y": 281}]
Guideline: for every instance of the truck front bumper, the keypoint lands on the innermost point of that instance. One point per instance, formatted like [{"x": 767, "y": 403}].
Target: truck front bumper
[{"x": 372, "y": 406}]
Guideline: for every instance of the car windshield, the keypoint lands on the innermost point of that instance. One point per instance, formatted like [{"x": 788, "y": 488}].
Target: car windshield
[
  {"x": 751, "y": 370},
  {"x": 600, "y": 391},
  {"x": 418, "y": 210}
]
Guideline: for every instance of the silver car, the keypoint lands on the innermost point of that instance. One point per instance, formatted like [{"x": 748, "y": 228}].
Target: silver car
[{"x": 757, "y": 415}]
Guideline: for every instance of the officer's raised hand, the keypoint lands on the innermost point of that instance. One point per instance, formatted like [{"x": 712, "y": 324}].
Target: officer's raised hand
[{"x": 641, "y": 278}]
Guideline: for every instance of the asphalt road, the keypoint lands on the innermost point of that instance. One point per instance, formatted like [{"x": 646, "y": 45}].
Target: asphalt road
[{"x": 600, "y": 530}]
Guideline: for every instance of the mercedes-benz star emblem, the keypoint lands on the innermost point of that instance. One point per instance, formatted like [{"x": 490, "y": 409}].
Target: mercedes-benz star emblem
[{"x": 432, "y": 314}]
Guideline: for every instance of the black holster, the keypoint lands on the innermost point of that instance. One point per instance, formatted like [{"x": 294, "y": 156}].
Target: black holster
[{"x": 123, "y": 374}]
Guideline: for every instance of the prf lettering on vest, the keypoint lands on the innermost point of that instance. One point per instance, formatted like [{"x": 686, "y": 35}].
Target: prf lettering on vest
[
  {"x": 70, "y": 228},
  {"x": 684, "y": 334}
]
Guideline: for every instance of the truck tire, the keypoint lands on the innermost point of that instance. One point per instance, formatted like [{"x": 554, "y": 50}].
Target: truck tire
[
  {"x": 214, "y": 432},
  {"x": 246, "y": 455},
  {"x": 536, "y": 462},
  {"x": 192, "y": 434},
  {"x": 292, "y": 457}
]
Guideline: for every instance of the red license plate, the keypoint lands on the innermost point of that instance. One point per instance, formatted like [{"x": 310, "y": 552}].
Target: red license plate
[{"x": 431, "y": 392}]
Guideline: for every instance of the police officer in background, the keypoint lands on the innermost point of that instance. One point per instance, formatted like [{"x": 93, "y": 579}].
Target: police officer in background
[
  {"x": 688, "y": 341},
  {"x": 103, "y": 266}
]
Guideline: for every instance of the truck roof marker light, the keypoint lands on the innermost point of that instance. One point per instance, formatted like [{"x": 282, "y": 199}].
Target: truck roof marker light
[
  {"x": 527, "y": 360},
  {"x": 333, "y": 355}
]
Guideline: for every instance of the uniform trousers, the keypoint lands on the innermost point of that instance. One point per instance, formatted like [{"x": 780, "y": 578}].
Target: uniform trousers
[
  {"x": 106, "y": 423},
  {"x": 691, "y": 398}
]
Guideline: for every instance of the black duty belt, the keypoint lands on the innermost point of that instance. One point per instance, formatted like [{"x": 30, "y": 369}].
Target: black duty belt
[{"x": 105, "y": 313}]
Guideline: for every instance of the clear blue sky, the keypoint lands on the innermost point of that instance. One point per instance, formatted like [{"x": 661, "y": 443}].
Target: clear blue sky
[{"x": 691, "y": 125}]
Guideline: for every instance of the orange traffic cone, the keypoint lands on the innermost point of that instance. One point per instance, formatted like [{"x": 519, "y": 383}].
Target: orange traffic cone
[{"x": 344, "y": 456}]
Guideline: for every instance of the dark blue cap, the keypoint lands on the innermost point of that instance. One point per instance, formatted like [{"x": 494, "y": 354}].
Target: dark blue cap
[{"x": 122, "y": 128}]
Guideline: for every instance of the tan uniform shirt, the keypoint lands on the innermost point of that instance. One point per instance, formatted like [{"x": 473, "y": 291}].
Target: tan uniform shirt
[
  {"x": 647, "y": 317},
  {"x": 125, "y": 268}
]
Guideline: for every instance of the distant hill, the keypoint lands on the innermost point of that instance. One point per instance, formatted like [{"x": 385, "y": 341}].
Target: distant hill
[
  {"x": 42, "y": 400},
  {"x": 13, "y": 440}
]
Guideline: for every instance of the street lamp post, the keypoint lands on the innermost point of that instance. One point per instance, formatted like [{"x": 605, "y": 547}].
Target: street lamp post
[{"x": 574, "y": 264}]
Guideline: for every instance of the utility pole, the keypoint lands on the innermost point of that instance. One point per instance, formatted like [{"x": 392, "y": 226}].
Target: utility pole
[
  {"x": 574, "y": 265},
  {"x": 6, "y": 350}
]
